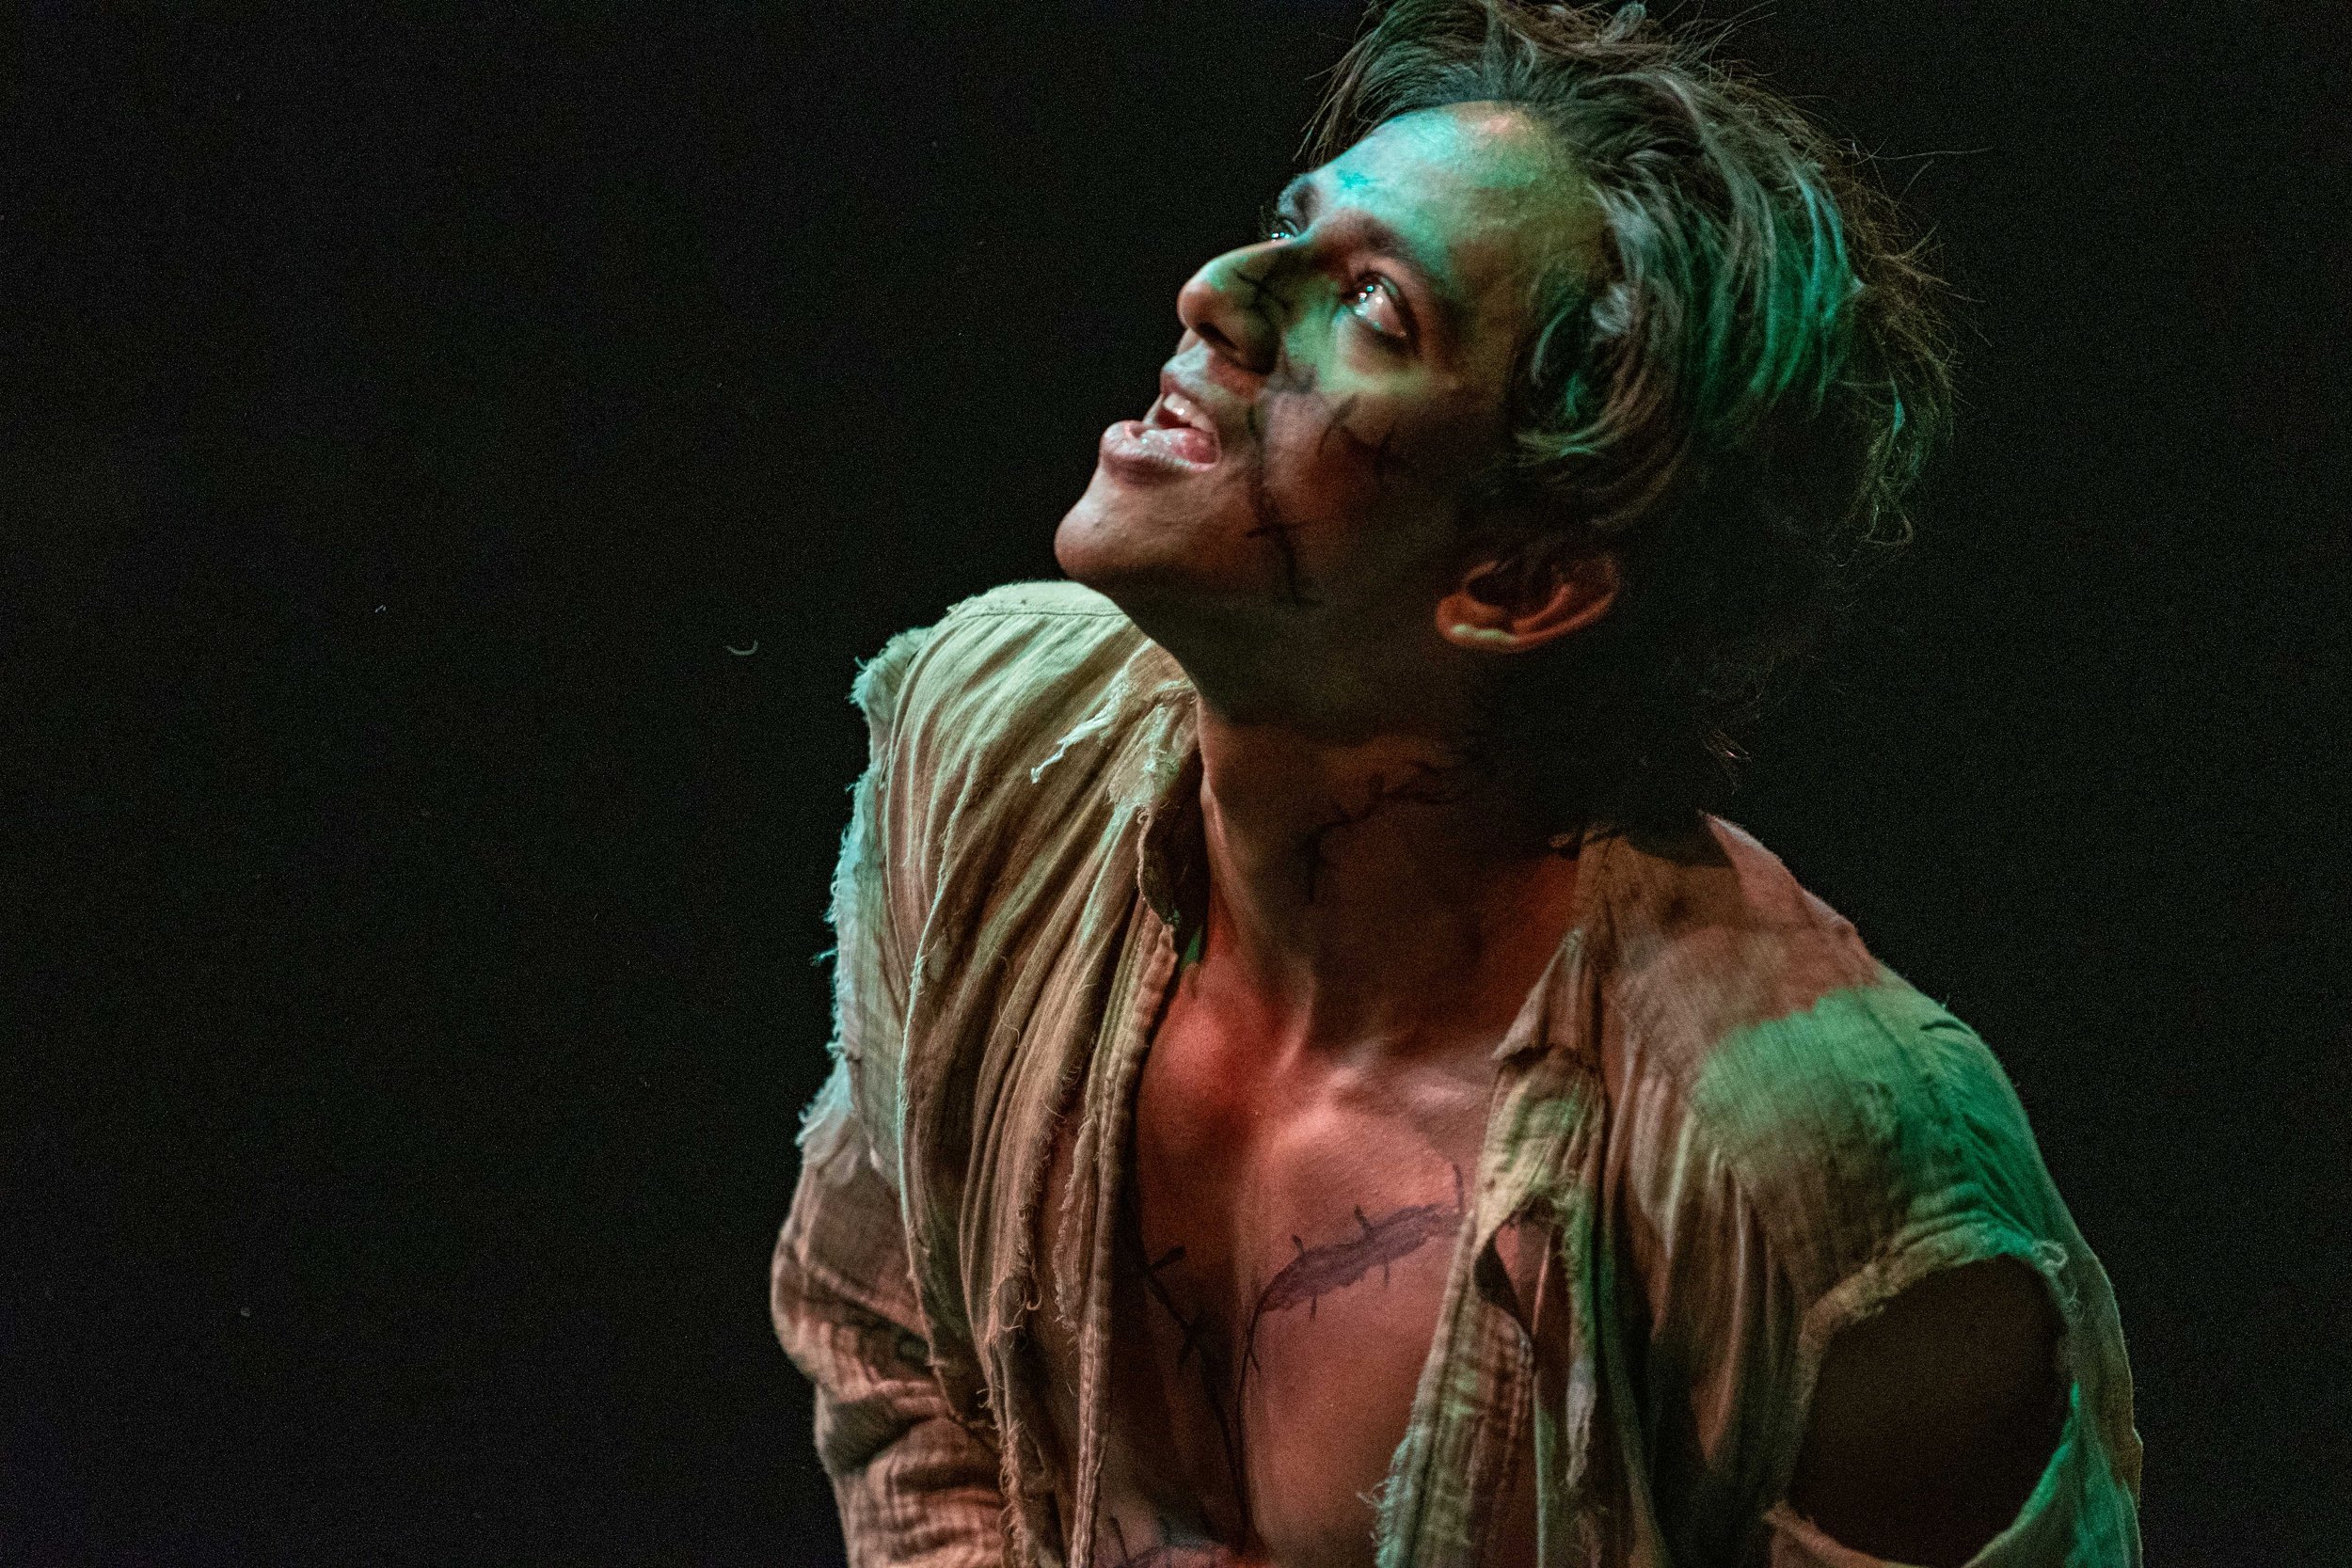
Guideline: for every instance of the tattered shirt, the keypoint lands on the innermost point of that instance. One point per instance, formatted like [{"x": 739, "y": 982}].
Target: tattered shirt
[{"x": 1731, "y": 1130}]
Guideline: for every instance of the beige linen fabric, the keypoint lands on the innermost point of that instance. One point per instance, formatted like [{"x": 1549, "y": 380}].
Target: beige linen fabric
[{"x": 1721, "y": 1133}]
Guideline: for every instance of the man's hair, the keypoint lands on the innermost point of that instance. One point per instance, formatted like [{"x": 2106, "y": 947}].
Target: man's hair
[{"x": 1736, "y": 406}]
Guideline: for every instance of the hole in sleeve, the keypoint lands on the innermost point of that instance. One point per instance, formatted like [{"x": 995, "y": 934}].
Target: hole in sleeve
[{"x": 1932, "y": 1419}]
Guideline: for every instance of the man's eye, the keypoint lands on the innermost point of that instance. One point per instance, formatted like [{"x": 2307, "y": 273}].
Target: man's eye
[
  {"x": 1374, "y": 300},
  {"x": 1374, "y": 303}
]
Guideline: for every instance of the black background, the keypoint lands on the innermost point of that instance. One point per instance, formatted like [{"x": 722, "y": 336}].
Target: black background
[{"x": 417, "y": 898}]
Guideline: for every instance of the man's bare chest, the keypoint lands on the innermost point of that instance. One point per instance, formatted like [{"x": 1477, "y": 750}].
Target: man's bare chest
[{"x": 1282, "y": 1252}]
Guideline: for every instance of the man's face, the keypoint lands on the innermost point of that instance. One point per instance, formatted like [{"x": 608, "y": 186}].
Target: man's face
[{"x": 1285, "y": 517}]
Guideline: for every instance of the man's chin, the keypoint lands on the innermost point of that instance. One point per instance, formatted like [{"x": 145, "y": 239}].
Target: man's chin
[
  {"x": 1153, "y": 562},
  {"x": 1097, "y": 545}
]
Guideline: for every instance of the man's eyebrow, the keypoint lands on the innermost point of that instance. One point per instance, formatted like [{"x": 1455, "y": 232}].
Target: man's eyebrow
[{"x": 1302, "y": 196}]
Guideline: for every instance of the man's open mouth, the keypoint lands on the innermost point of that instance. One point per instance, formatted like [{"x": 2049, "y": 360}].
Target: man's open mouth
[
  {"x": 1175, "y": 411},
  {"x": 1176, "y": 434},
  {"x": 1179, "y": 425}
]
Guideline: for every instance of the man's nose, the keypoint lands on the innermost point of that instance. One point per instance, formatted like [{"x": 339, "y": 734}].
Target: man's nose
[{"x": 1226, "y": 303}]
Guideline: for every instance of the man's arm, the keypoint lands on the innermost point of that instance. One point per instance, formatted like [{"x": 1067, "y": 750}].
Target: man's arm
[
  {"x": 1932, "y": 1421},
  {"x": 914, "y": 1487},
  {"x": 1877, "y": 1320}
]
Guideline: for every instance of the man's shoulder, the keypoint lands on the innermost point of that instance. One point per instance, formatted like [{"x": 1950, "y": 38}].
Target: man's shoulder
[
  {"x": 1042, "y": 596},
  {"x": 1874, "y": 1086},
  {"x": 1033, "y": 715},
  {"x": 1825, "y": 1085},
  {"x": 1014, "y": 610},
  {"x": 1005, "y": 660},
  {"x": 1703, "y": 933}
]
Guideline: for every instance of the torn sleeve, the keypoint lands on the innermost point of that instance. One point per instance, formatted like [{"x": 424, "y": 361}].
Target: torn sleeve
[
  {"x": 1825, "y": 1163},
  {"x": 914, "y": 1486}
]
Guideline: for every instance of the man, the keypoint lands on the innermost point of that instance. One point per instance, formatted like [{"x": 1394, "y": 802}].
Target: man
[{"x": 1314, "y": 1087}]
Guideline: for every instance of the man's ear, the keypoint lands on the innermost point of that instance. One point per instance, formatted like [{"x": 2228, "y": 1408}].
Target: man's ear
[{"x": 1512, "y": 604}]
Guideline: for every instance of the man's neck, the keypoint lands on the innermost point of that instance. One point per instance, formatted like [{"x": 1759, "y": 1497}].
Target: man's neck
[{"x": 1379, "y": 897}]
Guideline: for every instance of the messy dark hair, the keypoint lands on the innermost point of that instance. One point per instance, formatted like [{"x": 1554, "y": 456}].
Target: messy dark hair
[{"x": 1736, "y": 405}]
